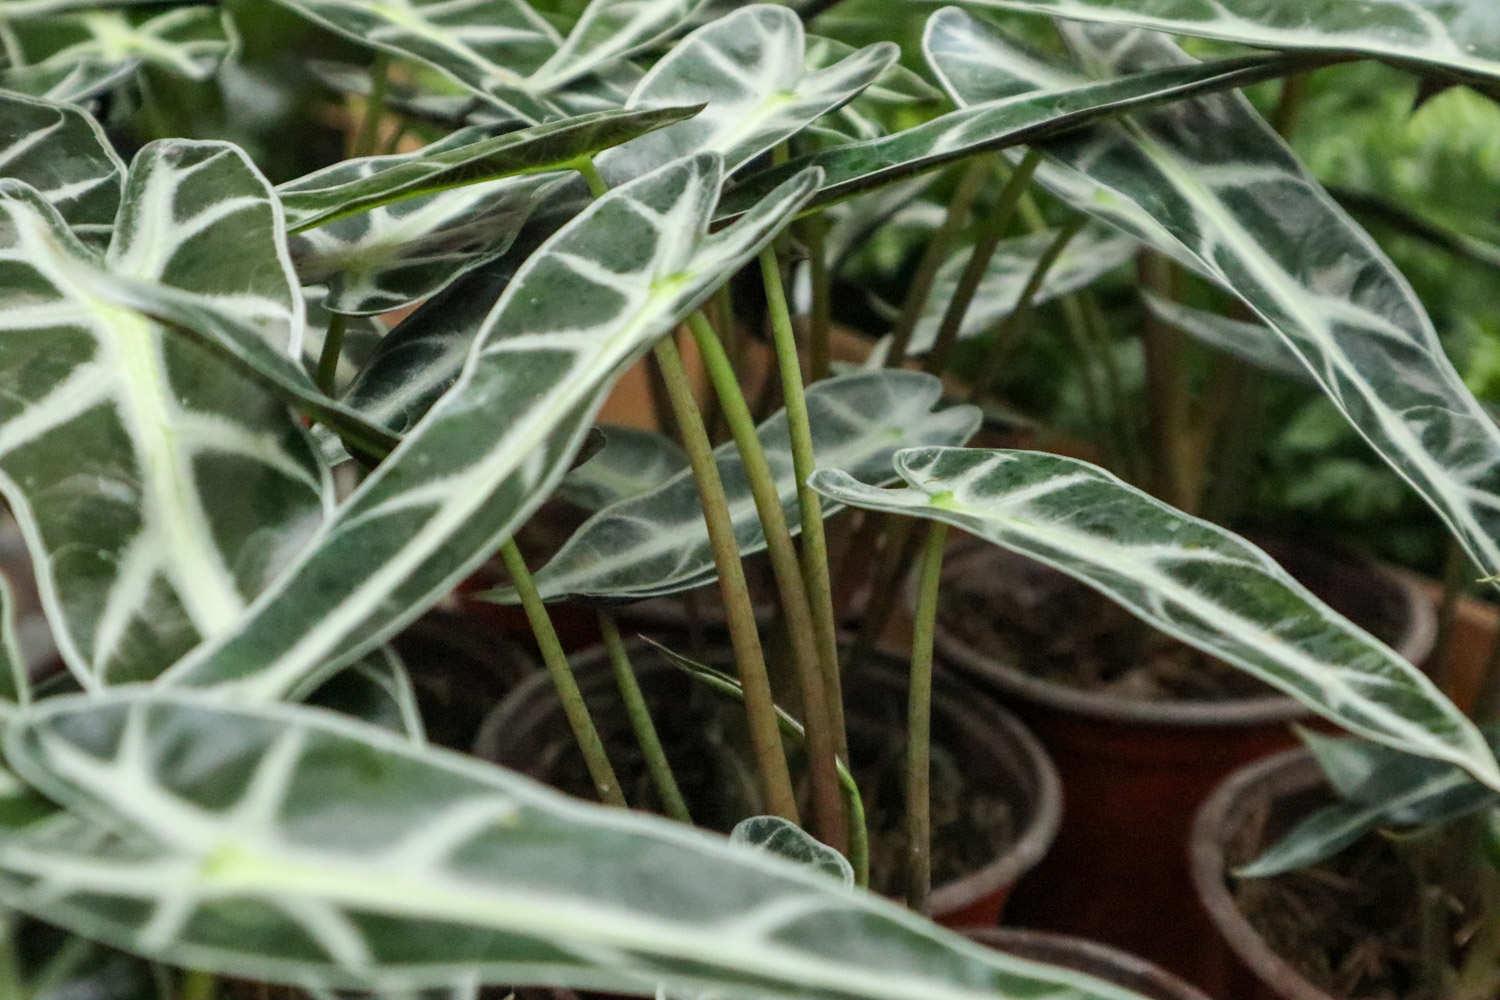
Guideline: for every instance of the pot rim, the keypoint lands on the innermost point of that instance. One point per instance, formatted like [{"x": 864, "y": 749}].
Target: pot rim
[
  {"x": 1043, "y": 946},
  {"x": 991, "y": 728},
  {"x": 1272, "y": 777},
  {"x": 1417, "y": 643}
]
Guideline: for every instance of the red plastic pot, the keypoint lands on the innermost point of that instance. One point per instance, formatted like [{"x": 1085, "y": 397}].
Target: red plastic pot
[
  {"x": 527, "y": 732},
  {"x": 1097, "y": 960},
  {"x": 1134, "y": 773},
  {"x": 1242, "y": 964}
]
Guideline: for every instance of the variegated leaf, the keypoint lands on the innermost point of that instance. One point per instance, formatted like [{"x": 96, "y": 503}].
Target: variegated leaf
[
  {"x": 1090, "y": 255},
  {"x": 1191, "y": 579},
  {"x": 17, "y": 10},
  {"x": 1205, "y": 169},
  {"x": 76, "y": 83},
  {"x": 786, "y": 839},
  {"x": 1390, "y": 789},
  {"x": 88, "y": 45},
  {"x": 1004, "y": 122},
  {"x": 859, "y": 119},
  {"x": 464, "y": 158},
  {"x": 489, "y": 46},
  {"x": 580, "y": 309},
  {"x": 504, "y": 51},
  {"x": 656, "y": 543},
  {"x": 1458, "y": 35},
  {"x": 158, "y": 488},
  {"x": 376, "y": 690},
  {"x": 63, "y": 154},
  {"x": 609, "y": 31},
  {"x": 400, "y": 253},
  {"x": 751, "y": 68},
  {"x": 362, "y": 861},
  {"x": 631, "y": 462},
  {"x": 1253, "y": 343}
]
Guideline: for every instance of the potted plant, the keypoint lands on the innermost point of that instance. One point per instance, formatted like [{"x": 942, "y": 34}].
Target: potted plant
[
  {"x": 233, "y": 786},
  {"x": 1287, "y": 849}
]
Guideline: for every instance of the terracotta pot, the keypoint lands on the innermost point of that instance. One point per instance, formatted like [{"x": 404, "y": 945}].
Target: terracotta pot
[
  {"x": 527, "y": 733},
  {"x": 1476, "y": 626},
  {"x": 1097, "y": 960},
  {"x": 1242, "y": 964},
  {"x": 1134, "y": 773}
]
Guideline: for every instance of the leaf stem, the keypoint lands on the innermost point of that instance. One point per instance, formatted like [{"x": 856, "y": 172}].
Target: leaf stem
[
  {"x": 760, "y": 707},
  {"x": 333, "y": 347},
  {"x": 820, "y": 322},
  {"x": 821, "y": 742},
  {"x": 919, "y": 724},
  {"x": 366, "y": 140},
  {"x": 990, "y": 235},
  {"x": 574, "y": 707},
  {"x": 197, "y": 985},
  {"x": 1006, "y": 333},
  {"x": 591, "y": 176},
  {"x": 815, "y": 572},
  {"x": 1166, "y": 393},
  {"x": 936, "y": 251},
  {"x": 639, "y": 714}
]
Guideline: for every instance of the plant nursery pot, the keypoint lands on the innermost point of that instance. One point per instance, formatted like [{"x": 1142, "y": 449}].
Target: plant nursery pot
[
  {"x": 1090, "y": 957},
  {"x": 1002, "y": 765},
  {"x": 1241, "y": 963},
  {"x": 1476, "y": 627},
  {"x": 1134, "y": 771}
]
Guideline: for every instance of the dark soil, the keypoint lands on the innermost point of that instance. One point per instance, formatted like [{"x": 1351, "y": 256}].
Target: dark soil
[
  {"x": 1353, "y": 926},
  {"x": 1056, "y": 629}
]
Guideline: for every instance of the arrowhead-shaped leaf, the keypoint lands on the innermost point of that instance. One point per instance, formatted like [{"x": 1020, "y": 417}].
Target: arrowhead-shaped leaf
[
  {"x": 288, "y": 845},
  {"x": 751, "y": 68},
  {"x": 62, "y": 153},
  {"x": 631, "y": 462},
  {"x": 1398, "y": 790},
  {"x": 1458, "y": 35},
  {"x": 1191, "y": 579},
  {"x": 1207, "y": 168},
  {"x": 1004, "y": 122},
  {"x": 158, "y": 487},
  {"x": 594, "y": 296},
  {"x": 1091, "y": 254},
  {"x": 655, "y": 543}
]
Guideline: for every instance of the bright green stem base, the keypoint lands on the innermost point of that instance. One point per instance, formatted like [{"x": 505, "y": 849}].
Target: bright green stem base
[
  {"x": 556, "y": 661},
  {"x": 919, "y": 725},
  {"x": 641, "y": 723}
]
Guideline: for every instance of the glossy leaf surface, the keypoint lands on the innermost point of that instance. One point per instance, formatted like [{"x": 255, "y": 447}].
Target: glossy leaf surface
[
  {"x": 362, "y": 861},
  {"x": 1188, "y": 578},
  {"x": 1205, "y": 170},
  {"x": 159, "y": 488},
  {"x": 580, "y": 309}
]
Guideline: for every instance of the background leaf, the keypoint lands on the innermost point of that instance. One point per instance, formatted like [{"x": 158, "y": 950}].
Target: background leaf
[{"x": 655, "y": 543}]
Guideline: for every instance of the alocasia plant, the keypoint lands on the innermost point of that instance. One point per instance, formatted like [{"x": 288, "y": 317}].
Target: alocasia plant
[{"x": 236, "y": 490}]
